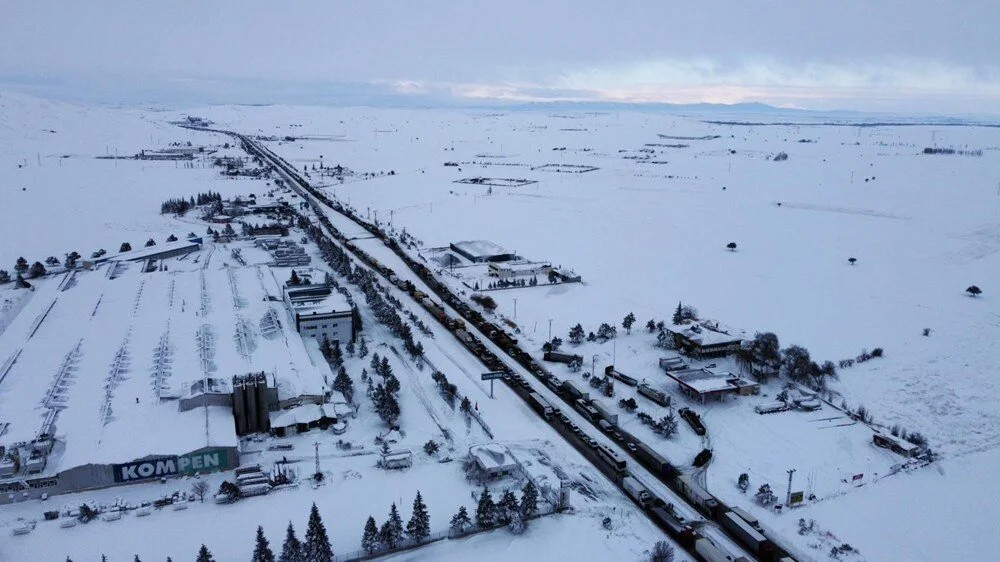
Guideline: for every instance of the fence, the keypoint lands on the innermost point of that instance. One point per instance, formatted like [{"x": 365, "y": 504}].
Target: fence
[{"x": 409, "y": 544}]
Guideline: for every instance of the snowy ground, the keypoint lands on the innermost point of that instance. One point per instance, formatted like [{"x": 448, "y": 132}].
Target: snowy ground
[{"x": 644, "y": 235}]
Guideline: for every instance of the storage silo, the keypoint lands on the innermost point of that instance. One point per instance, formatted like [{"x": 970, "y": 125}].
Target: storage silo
[
  {"x": 263, "y": 419},
  {"x": 239, "y": 405}
]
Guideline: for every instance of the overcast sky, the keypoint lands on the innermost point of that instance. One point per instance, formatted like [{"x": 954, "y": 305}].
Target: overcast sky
[{"x": 913, "y": 55}]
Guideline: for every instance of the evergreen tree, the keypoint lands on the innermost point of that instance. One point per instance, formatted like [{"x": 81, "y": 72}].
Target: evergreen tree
[
  {"x": 651, "y": 326},
  {"x": 317, "y": 547},
  {"x": 291, "y": 550},
  {"x": 349, "y": 348},
  {"x": 529, "y": 500},
  {"x": 370, "y": 539},
  {"x": 385, "y": 367},
  {"x": 662, "y": 552},
  {"x": 764, "y": 495},
  {"x": 576, "y": 335},
  {"x": 343, "y": 383},
  {"x": 4, "y": 276},
  {"x": 363, "y": 349},
  {"x": 262, "y": 551},
  {"x": 336, "y": 354},
  {"x": 628, "y": 322},
  {"x": 294, "y": 279},
  {"x": 466, "y": 406},
  {"x": 392, "y": 529},
  {"x": 204, "y": 555},
  {"x": 21, "y": 266},
  {"x": 171, "y": 238},
  {"x": 376, "y": 364},
  {"x": 325, "y": 348},
  {"x": 678, "y": 317},
  {"x": 974, "y": 291},
  {"x": 744, "y": 482},
  {"x": 507, "y": 507},
  {"x": 149, "y": 243},
  {"x": 37, "y": 270},
  {"x": 419, "y": 526},
  {"x": 460, "y": 521},
  {"x": 486, "y": 510},
  {"x": 125, "y": 247},
  {"x": 136, "y": 559}
]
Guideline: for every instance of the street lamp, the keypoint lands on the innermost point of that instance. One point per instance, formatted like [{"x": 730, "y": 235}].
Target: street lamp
[{"x": 515, "y": 309}]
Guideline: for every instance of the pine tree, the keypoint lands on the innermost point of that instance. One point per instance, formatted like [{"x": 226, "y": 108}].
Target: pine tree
[
  {"x": 386, "y": 368},
  {"x": 662, "y": 552},
  {"x": 349, "y": 348},
  {"x": 486, "y": 510},
  {"x": 678, "y": 315},
  {"x": 343, "y": 383},
  {"x": 651, "y": 326},
  {"x": 294, "y": 279},
  {"x": 317, "y": 546},
  {"x": 149, "y": 243},
  {"x": 529, "y": 500},
  {"x": 376, "y": 364},
  {"x": 370, "y": 539},
  {"x": 21, "y": 265},
  {"x": 419, "y": 526},
  {"x": 291, "y": 550},
  {"x": 460, "y": 521},
  {"x": 37, "y": 270},
  {"x": 363, "y": 349},
  {"x": 507, "y": 507},
  {"x": 204, "y": 555},
  {"x": 262, "y": 551},
  {"x": 125, "y": 247},
  {"x": 4, "y": 276},
  {"x": 627, "y": 323},
  {"x": 325, "y": 348},
  {"x": 576, "y": 335},
  {"x": 392, "y": 529},
  {"x": 336, "y": 354}
]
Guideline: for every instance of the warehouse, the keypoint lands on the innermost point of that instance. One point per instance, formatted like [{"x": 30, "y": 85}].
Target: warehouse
[
  {"x": 168, "y": 250},
  {"x": 320, "y": 312},
  {"x": 481, "y": 251}
]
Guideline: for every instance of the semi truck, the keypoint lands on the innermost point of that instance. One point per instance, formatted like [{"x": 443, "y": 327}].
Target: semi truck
[
  {"x": 638, "y": 492},
  {"x": 567, "y": 358},
  {"x": 572, "y": 390},
  {"x": 750, "y": 537},
  {"x": 654, "y": 395},
  {"x": 541, "y": 405},
  {"x": 611, "y": 372}
]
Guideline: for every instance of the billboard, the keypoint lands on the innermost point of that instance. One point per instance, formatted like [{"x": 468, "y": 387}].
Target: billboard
[
  {"x": 796, "y": 498},
  {"x": 206, "y": 460}
]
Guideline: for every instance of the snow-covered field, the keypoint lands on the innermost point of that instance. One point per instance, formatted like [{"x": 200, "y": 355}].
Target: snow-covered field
[{"x": 646, "y": 229}]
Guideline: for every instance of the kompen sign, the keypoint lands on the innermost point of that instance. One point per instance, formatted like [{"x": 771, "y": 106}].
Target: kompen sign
[{"x": 204, "y": 461}]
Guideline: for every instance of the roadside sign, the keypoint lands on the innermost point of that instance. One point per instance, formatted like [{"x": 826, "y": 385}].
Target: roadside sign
[
  {"x": 492, "y": 376},
  {"x": 797, "y": 498}
]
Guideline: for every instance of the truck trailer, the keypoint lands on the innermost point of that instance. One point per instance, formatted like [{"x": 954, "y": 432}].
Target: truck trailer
[
  {"x": 638, "y": 492},
  {"x": 541, "y": 405}
]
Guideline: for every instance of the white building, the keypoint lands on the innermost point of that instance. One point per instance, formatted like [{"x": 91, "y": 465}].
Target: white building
[
  {"x": 320, "y": 312},
  {"x": 512, "y": 270}
]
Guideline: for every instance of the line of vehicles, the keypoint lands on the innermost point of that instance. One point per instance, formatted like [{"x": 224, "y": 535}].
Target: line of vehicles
[{"x": 608, "y": 460}]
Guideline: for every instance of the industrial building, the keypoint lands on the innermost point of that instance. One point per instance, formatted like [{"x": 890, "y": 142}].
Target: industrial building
[
  {"x": 699, "y": 341},
  {"x": 126, "y": 378},
  {"x": 167, "y": 250},
  {"x": 320, "y": 312},
  {"x": 481, "y": 251}
]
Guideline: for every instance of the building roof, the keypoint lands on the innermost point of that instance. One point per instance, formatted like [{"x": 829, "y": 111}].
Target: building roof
[
  {"x": 143, "y": 253},
  {"x": 492, "y": 457},
  {"x": 704, "y": 336},
  {"x": 519, "y": 266},
  {"x": 309, "y": 299},
  {"x": 306, "y": 413},
  {"x": 703, "y": 381},
  {"x": 480, "y": 248}
]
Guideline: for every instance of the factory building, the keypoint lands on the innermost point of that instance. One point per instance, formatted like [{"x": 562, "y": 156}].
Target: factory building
[
  {"x": 481, "y": 251},
  {"x": 320, "y": 312}
]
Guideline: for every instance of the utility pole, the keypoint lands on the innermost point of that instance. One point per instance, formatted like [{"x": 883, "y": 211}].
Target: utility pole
[
  {"x": 515, "y": 309},
  {"x": 593, "y": 361},
  {"x": 550, "y": 329},
  {"x": 316, "y": 445},
  {"x": 788, "y": 497}
]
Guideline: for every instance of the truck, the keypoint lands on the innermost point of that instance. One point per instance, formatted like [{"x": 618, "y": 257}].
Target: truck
[
  {"x": 693, "y": 420},
  {"x": 709, "y": 552},
  {"x": 574, "y": 392},
  {"x": 654, "y": 461},
  {"x": 611, "y": 372},
  {"x": 637, "y": 492},
  {"x": 770, "y": 407},
  {"x": 672, "y": 363},
  {"x": 654, "y": 395},
  {"x": 567, "y": 358},
  {"x": 605, "y": 413},
  {"x": 748, "y": 536},
  {"x": 586, "y": 409},
  {"x": 541, "y": 405}
]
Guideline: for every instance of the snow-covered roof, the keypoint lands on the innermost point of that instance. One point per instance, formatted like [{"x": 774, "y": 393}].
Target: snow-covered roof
[
  {"x": 492, "y": 456},
  {"x": 143, "y": 253},
  {"x": 480, "y": 248},
  {"x": 704, "y": 336},
  {"x": 306, "y": 413},
  {"x": 306, "y": 299},
  {"x": 703, "y": 380}
]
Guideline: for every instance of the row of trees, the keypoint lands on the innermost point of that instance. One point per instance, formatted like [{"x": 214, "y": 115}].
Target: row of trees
[
  {"x": 180, "y": 206},
  {"x": 391, "y": 533},
  {"x": 385, "y": 395}
]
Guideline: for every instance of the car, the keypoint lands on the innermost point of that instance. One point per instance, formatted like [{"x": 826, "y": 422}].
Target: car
[
  {"x": 631, "y": 447},
  {"x": 564, "y": 418},
  {"x": 617, "y": 436}
]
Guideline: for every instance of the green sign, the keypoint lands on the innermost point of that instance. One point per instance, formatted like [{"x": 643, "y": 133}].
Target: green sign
[
  {"x": 796, "y": 498},
  {"x": 203, "y": 461}
]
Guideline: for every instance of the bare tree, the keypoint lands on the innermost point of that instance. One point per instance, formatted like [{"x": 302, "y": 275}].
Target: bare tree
[{"x": 199, "y": 489}]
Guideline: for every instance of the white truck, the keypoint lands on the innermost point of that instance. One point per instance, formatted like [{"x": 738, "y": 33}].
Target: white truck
[{"x": 638, "y": 492}]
